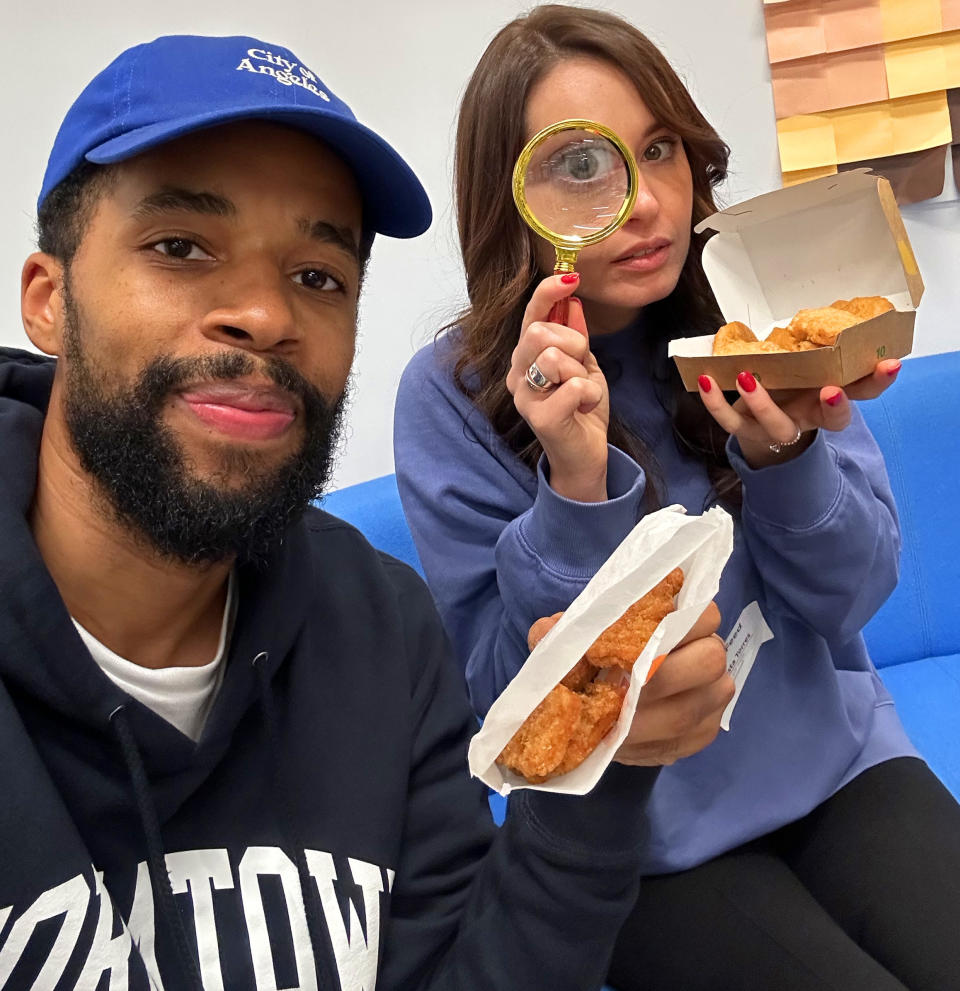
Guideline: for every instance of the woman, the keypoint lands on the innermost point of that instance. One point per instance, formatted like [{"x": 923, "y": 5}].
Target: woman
[{"x": 809, "y": 847}]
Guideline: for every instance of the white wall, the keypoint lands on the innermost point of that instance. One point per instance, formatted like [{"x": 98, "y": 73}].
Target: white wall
[{"x": 402, "y": 67}]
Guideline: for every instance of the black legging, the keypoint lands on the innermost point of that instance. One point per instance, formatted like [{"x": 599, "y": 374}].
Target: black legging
[{"x": 863, "y": 894}]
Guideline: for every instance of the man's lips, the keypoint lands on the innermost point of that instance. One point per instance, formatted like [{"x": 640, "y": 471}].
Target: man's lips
[{"x": 247, "y": 412}]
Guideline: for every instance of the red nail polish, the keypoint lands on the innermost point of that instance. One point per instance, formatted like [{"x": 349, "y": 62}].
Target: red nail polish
[
  {"x": 835, "y": 399},
  {"x": 704, "y": 383},
  {"x": 893, "y": 371},
  {"x": 568, "y": 278},
  {"x": 747, "y": 382}
]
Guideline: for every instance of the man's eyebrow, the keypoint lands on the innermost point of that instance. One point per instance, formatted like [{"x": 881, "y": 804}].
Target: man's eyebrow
[
  {"x": 176, "y": 198},
  {"x": 327, "y": 233}
]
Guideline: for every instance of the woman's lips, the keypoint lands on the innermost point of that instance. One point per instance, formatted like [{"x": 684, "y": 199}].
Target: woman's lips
[
  {"x": 645, "y": 258},
  {"x": 243, "y": 413}
]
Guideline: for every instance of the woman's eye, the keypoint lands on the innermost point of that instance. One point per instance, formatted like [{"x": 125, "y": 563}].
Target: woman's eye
[
  {"x": 583, "y": 162},
  {"x": 315, "y": 278},
  {"x": 180, "y": 247},
  {"x": 660, "y": 150}
]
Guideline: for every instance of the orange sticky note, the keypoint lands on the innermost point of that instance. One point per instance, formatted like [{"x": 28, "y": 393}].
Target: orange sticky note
[
  {"x": 910, "y": 18},
  {"x": 857, "y": 77},
  {"x": 805, "y": 175},
  {"x": 806, "y": 142},
  {"x": 919, "y": 122}
]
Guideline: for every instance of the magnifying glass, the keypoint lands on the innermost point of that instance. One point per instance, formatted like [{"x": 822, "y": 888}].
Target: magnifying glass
[{"x": 575, "y": 183}]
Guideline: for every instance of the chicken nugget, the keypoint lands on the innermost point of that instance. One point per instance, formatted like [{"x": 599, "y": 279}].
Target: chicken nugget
[
  {"x": 579, "y": 676},
  {"x": 622, "y": 642},
  {"x": 783, "y": 337},
  {"x": 864, "y": 307},
  {"x": 732, "y": 333},
  {"x": 600, "y": 710},
  {"x": 821, "y": 326},
  {"x": 540, "y": 743}
]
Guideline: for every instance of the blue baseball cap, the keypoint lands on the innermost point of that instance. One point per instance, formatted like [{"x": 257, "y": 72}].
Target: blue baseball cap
[{"x": 177, "y": 84}]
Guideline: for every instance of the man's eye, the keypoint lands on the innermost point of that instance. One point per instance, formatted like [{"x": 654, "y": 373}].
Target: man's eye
[
  {"x": 660, "y": 150},
  {"x": 180, "y": 247},
  {"x": 316, "y": 278}
]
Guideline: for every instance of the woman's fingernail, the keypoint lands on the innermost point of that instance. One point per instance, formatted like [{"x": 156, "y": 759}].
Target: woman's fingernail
[
  {"x": 896, "y": 368},
  {"x": 835, "y": 399},
  {"x": 568, "y": 278},
  {"x": 704, "y": 383},
  {"x": 747, "y": 382}
]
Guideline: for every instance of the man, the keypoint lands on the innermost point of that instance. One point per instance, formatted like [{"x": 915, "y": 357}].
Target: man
[{"x": 233, "y": 742}]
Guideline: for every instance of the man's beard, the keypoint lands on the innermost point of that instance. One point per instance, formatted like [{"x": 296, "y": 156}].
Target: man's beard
[{"x": 139, "y": 467}]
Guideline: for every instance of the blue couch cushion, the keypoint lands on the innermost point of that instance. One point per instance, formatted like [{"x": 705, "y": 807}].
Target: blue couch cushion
[
  {"x": 914, "y": 423},
  {"x": 927, "y": 695},
  {"x": 374, "y": 509}
]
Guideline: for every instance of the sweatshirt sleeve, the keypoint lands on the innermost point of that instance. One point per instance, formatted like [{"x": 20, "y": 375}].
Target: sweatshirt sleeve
[
  {"x": 823, "y": 529},
  {"x": 499, "y": 547},
  {"x": 535, "y": 904}
]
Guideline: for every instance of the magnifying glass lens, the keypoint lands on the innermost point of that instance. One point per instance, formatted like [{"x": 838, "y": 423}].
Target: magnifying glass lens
[{"x": 576, "y": 183}]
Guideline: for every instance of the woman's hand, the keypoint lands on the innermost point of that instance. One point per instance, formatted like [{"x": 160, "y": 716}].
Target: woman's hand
[
  {"x": 680, "y": 707},
  {"x": 570, "y": 418},
  {"x": 788, "y": 419}
]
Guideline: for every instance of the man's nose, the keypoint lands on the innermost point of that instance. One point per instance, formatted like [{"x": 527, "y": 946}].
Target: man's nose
[{"x": 254, "y": 310}]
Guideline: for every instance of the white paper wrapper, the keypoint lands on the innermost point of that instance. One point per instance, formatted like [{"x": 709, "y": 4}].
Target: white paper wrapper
[{"x": 660, "y": 542}]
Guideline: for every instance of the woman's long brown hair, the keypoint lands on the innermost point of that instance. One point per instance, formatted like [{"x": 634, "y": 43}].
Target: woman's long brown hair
[{"x": 498, "y": 249}]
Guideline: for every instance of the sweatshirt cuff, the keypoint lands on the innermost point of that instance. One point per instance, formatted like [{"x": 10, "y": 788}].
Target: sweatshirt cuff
[
  {"x": 573, "y": 538},
  {"x": 796, "y": 494},
  {"x": 609, "y": 823}
]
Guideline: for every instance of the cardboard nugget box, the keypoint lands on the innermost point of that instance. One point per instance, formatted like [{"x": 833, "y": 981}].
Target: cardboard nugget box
[{"x": 800, "y": 248}]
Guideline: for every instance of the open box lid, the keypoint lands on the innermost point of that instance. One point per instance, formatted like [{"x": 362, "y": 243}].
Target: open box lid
[{"x": 805, "y": 246}]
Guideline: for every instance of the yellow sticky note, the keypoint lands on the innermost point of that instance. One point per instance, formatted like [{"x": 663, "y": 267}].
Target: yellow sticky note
[
  {"x": 920, "y": 122},
  {"x": 951, "y": 58},
  {"x": 863, "y": 132},
  {"x": 915, "y": 66},
  {"x": 806, "y": 142},
  {"x": 910, "y": 18},
  {"x": 805, "y": 175}
]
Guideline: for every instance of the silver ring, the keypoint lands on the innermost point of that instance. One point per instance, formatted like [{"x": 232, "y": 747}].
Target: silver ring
[
  {"x": 537, "y": 380},
  {"x": 777, "y": 448}
]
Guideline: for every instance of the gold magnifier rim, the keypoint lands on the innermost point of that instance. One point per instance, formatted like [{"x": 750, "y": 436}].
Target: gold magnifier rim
[{"x": 574, "y": 241}]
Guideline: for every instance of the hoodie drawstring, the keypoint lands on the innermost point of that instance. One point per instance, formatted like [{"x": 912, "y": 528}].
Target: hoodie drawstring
[
  {"x": 156, "y": 863},
  {"x": 311, "y": 900}
]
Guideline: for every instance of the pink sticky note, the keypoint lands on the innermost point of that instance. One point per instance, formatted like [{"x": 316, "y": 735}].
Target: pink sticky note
[
  {"x": 950, "y": 13},
  {"x": 794, "y": 30},
  {"x": 800, "y": 86},
  {"x": 857, "y": 76},
  {"x": 852, "y": 24}
]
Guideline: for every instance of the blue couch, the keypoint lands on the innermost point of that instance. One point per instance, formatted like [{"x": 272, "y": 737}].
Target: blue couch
[{"x": 915, "y": 637}]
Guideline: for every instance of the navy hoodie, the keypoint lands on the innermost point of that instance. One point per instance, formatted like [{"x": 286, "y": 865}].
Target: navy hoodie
[{"x": 323, "y": 833}]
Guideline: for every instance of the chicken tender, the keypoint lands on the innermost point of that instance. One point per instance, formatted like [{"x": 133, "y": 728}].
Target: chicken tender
[
  {"x": 538, "y": 747},
  {"x": 600, "y": 710},
  {"x": 821, "y": 326},
  {"x": 579, "y": 676},
  {"x": 622, "y": 642}
]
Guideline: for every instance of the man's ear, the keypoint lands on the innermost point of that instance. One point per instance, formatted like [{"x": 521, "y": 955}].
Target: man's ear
[{"x": 41, "y": 301}]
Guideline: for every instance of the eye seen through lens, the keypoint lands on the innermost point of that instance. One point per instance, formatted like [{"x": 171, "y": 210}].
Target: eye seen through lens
[{"x": 576, "y": 183}]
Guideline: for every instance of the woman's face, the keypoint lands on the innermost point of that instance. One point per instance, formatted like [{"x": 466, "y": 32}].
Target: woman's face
[{"x": 641, "y": 262}]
